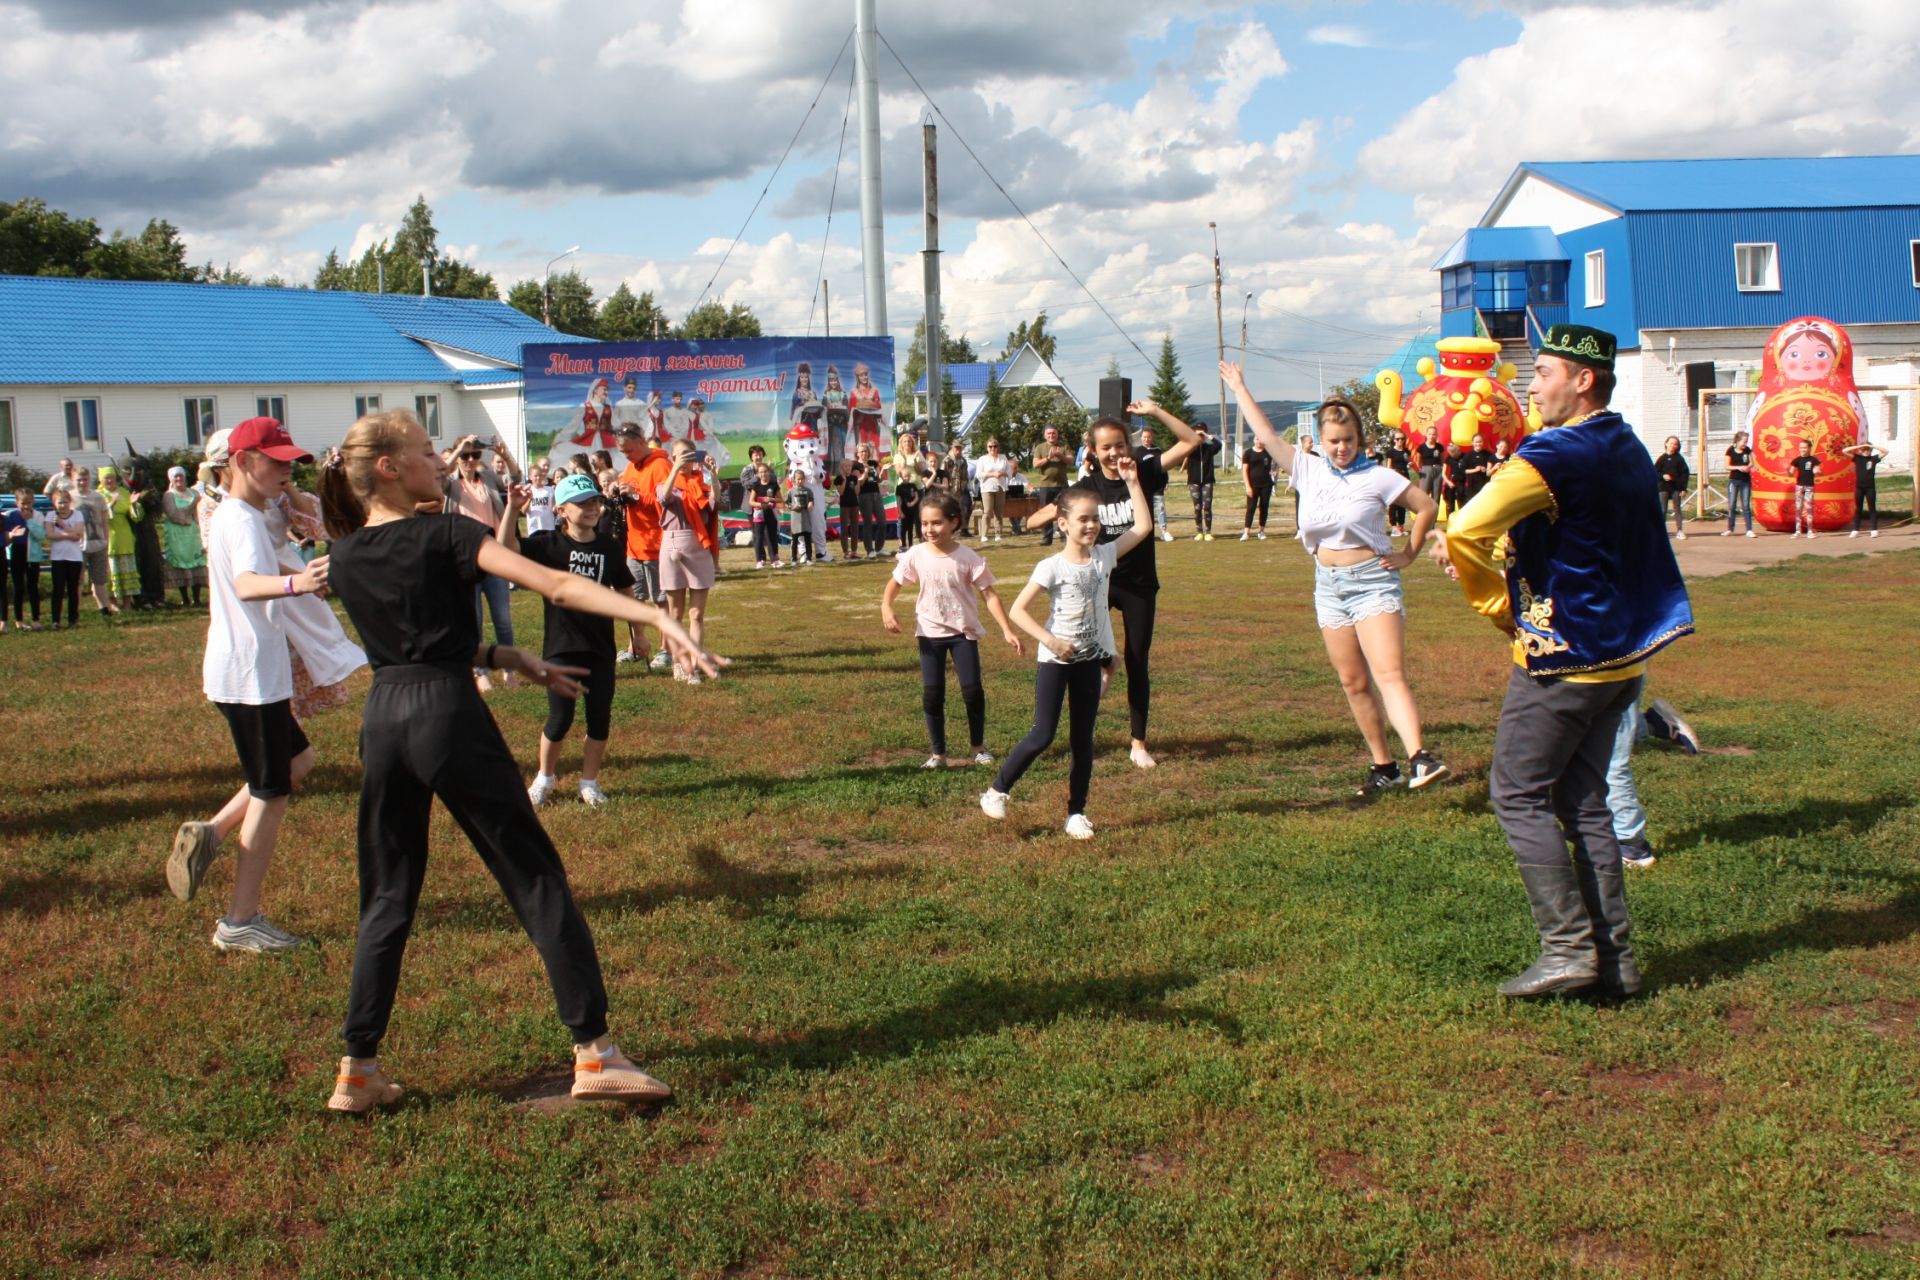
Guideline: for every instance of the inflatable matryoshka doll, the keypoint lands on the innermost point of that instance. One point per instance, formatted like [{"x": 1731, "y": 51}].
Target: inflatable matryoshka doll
[
  {"x": 1806, "y": 393},
  {"x": 1467, "y": 396}
]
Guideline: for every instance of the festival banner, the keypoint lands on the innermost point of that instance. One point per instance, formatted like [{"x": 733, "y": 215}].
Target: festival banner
[{"x": 723, "y": 395}]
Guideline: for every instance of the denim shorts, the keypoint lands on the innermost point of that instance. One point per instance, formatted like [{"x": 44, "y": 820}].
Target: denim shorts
[{"x": 1342, "y": 597}]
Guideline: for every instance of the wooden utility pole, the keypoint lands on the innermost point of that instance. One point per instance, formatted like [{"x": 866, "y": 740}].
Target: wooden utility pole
[
  {"x": 930, "y": 262},
  {"x": 1220, "y": 338}
]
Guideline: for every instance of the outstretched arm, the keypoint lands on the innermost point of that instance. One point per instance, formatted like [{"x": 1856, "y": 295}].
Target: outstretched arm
[
  {"x": 1255, "y": 417},
  {"x": 1185, "y": 437},
  {"x": 1142, "y": 510}
]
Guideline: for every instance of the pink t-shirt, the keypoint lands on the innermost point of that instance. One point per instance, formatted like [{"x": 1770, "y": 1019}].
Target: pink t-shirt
[{"x": 949, "y": 603}]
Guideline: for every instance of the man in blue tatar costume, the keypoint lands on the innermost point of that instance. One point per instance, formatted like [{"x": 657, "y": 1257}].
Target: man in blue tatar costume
[{"x": 1565, "y": 551}]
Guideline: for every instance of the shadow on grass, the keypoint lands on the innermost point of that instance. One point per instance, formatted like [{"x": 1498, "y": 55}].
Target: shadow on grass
[
  {"x": 1821, "y": 929},
  {"x": 714, "y": 879},
  {"x": 198, "y": 793},
  {"x": 41, "y": 894},
  {"x": 767, "y": 786},
  {"x": 968, "y": 1007},
  {"x": 1807, "y": 817}
]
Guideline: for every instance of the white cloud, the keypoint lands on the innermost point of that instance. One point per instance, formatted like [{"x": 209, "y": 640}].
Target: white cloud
[{"x": 1346, "y": 37}]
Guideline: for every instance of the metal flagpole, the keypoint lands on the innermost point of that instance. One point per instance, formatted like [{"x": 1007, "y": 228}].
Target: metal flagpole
[
  {"x": 930, "y": 262},
  {"x": 872, "y": 229}
]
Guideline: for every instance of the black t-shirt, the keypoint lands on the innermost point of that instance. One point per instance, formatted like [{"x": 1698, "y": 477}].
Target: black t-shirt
[
  {"x": 1396, "y": 459},
  {"x": 1477, "y": 458},
  {"x": 1673, "y": 471},
  {"x": 1863, "y": 469},
  {"x": 1805, "y": 470},
  {"x": 1200, "y": 462},
  {"x": 1740, "y": 458},
  {"x": 603, "y": 560},
  {"x": 1135, "y": 570},
  {"x": 1457, "y": 470},
  {"x": 1431, "y": 455},
  {"x": 758, "y": 493},
  {"x": 869, "y": 477},
  {"x": 408, "y": 587},
  {"x": 1258, "y": 465}
]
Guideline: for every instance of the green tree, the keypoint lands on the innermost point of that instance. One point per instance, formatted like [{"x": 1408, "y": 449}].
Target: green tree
[
  {"x": 712, "y": 320},
  {"x": 954, "y": 349},
  {"x": 524, "y": 297},
  {"x": 334, "y": 275},
  {"x": 949, "y": 404},
  {"x": 992, "y": 419},
  {"x": 395, "y": 266},
  {"x": 1113, "y": 367},
  {"x": 1034, "y": 333},
  {"x": 1169, "y": 389},
  {"x": 627, "y": 318},
  {"x": 1029, "y": 411},
  {"x": 39, "y": 241},
  {"x": 573, "y": 310},
  {"x": 157, "y": 253}
]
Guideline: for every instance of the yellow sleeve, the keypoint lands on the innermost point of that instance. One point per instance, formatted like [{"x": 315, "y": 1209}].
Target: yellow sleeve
[{"x": 1515, "y": 492}]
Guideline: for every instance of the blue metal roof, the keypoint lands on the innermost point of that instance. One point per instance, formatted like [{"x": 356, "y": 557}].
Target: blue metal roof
[
  {"x": 490, "y": 377},
  {"x": 968, "y": 379},
  {"x": 57, "y": 330},
  {"x": 1504, "y": 244},
  {"x": 1783, "y": 182},
  {"x": 1405, "y": 358}
]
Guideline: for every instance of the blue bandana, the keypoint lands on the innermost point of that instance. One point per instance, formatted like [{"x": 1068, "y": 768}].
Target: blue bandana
[{"x": 1361, "y": 462}]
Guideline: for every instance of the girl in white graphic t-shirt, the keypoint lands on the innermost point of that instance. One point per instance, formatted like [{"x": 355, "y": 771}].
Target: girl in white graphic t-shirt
[
  {"x": 946, "y": 622},
  {"x": 1344, "y": 497},
  {"x": 1076, "y": 643}
]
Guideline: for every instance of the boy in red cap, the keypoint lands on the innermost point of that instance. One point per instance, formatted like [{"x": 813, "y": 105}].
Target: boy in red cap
[{"x": 248, "y": 674}]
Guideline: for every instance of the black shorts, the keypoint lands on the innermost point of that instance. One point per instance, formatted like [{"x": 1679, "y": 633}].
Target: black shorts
[{"x": 267, "y": 738}]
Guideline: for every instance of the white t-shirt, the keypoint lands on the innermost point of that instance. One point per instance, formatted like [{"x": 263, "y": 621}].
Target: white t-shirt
[
  {"x": 247, "y": 660},
  {"x": 993, "y": 472},
  {"x": 1344, "y": 512},
  {"x": 65, "y": 549},
  {"x": 1078, "y": 593},
  {"x": 628, "y": 412},
  {"x": 541, "y": 517}
]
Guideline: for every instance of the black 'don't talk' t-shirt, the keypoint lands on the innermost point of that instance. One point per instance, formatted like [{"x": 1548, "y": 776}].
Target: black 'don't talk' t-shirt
[
  {"x": 408, "y": 587},
  {"x": 603, "y": 560},
  {"x": 1135, "y": 571}
]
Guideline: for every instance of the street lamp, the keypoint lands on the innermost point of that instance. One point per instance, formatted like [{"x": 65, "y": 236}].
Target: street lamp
[
  {"x": 546, "y": 287},
  {"x": 1240, "y": 419}
]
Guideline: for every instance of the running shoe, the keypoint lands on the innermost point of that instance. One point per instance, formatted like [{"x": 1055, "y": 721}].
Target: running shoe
[
  {"x": 1199, "y": 537},
  {"x": 1679, "y": 732},
  {"x": 993, "y": 803},
  {"x": 1752, "y": 534},
  {"x": 1262, "y": 535},
  {"x": 1380, "y": 777},
  {"x": 935, "y": 762},
  {"x": 256, "y": 934},
  {"x": 612, "y": 1077},
  {"x": 1638, "y": 854},
  {"x": 193, "y": 848},
  {"x": 1425, "y": 767},
  {"x": 626, "y": 655},
  {"x": 541, "y": 789},
  {"x": 1142, "y": 758},
  {"x": 983, "y": 756},
  {"x": 1079, "y": 828},
  {"x": 358, "y": 1092},
  {"x": 661, "y": 661},
  {"x": 591, "y": 794},
  {"x": 1166, "y": 535},
  {"x": 1244, "y": 535}
]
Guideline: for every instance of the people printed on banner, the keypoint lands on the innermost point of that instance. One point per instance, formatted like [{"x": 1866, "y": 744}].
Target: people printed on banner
[
  {"x": 596, "y": 417},
  {"x": 834, "y": 399},
  {"x": 868, "y": 410}
]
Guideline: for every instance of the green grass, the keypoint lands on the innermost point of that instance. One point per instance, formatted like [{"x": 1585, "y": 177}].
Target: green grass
[{"x": 1248, "y": 1031}]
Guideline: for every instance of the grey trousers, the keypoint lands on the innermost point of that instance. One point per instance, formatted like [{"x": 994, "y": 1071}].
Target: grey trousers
[{"x": 1548, "y": 782}]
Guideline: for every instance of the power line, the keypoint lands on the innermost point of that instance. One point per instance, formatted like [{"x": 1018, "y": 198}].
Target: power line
[
  {"x": 958, "y": 136},
  {"x": 776, "y": 170},
  {"x": 832, "y": 194}
]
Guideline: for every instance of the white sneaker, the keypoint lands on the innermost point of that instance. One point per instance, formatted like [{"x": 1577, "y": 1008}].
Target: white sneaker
[
  {"x": 541, "y": 789},
  {"x": 1752, "y": 534},
  {"x": 1809, "y": 535},
  {"x": 983, "y": 756},
  {"x": 1079, "y": 828},
  {"x": 1681, "y": 536},
  {"x": 1243, "y": 535},
  {"x": 935, "y": 762},
  {"x": 993, "y": 803},
  {"x": 1262, "y": 535},
  {"x": 661, "y": 661},
  {"x": 1854, "y": 534},
  {"x": 1141, "y": 758},
  {"x": 257, "y": 934},
  {"x": 1165, "y": 536},
  {"x": 1874, "y": 533},
  {"x": 1726, "y": 533},
  {"x": 591, "y": 794},
  {"x": 626, "y": 655}
]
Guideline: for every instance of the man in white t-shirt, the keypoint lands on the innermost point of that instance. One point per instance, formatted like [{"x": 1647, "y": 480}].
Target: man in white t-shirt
[
  {"x": 676, "y": 421},
  {"x": 631, "y": 410},
  {"x": 248, "y": 675}
]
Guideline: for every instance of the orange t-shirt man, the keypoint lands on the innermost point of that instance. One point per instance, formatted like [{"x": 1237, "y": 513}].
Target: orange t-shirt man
[{"x": 644, "y": 475}]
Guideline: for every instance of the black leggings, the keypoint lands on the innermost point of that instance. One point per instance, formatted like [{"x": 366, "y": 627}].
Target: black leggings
[
  {"x": 909, "y": 499},
  {"x": 1202, "y": 495},
  {"x": 598, "y": 695},
  {"x": 1258, "y": 499},
  {"x": 965, "y": 651},
  {"x": 66, "y": 586},
  {"x": 766, "y": 539},
  {"x": 427, "y": 734},
  {"x": 26, "y": 582},
  {"x": 1865, "y": 498},
  {"x": 1136, "y": 614},
  {"x": 1078, "y": 684}
]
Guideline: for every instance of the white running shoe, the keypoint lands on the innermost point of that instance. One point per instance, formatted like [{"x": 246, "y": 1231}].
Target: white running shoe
[
  {"x": 626, "y": 655},
  {"x": 257, "y": 934},
  {"x": 1166, "y": 536},
  {"x": 591, "y": 794},
  {"x": 193, "y": 848},
  {"x": 993, "y": 803},
  {"x": 1243, "y": 535},
  {"x": 1079, "y": 828},
  {"x": 661, "y": 661},
  {"x": 541, "y": 789},
  {"x": 1752, "y": 534},
  {"x": 1682, "y": 536},
  {"x": 935, "y": 762},
  {"x": 1809, "y": 535},
  {"x": 1141, "y": 758},
  {"x": 1854, "y": 534},
  {"x": 983, "y": 756},
  {"x": 1873, "y": 533},
  {"x": 1262, "y": 535}
]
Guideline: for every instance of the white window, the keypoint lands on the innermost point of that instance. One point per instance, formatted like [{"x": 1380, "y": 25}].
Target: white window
[
  {"x": 274, "y": 407},
  {"x": 83, "y": 425},
  {"x": 364, "y": 405},
  {"x": 1915, "y": 246},
  {"x": 1597, "y": 278},
  {"x": 200, "y": 419},
  {"x": 1756, "y": 268},
  {"x": 427, "y": 409},
  {"x": 7, "y": 442}
]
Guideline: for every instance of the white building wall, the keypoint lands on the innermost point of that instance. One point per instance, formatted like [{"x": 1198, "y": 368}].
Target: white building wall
[
  {"x": 1537, "y": 203},
  {"x": 154, "y": 417},
  {"x": 1894, "y": 417}
]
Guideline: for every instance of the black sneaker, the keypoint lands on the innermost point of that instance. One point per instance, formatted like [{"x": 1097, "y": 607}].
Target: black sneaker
[
  {"x": 1380, "y": 777},
  {"x": 1638, "y": 854},
  {"x": 1426, "y": 767}
]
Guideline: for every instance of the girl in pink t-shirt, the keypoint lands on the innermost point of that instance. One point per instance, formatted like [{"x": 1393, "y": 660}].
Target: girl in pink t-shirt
[{"x": 946, "y": 621}]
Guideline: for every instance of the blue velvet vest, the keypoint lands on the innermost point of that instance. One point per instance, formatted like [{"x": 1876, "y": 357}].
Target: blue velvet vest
[{"x": 1592, "y": 580}]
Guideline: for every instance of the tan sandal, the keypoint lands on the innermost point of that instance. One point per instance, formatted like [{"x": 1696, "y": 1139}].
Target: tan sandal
[
  {"x": 358, "y": 1092},
  {"x": 614, "y": 1078}
]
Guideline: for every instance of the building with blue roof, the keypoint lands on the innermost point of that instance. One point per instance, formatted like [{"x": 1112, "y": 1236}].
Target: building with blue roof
[
  {"x": 89, "y": 365},
  {"x": 1691, "y": 264}
]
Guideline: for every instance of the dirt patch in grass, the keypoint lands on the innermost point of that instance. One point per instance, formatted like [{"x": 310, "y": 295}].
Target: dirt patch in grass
[
  {"x": 1634, "y": 1081},
  {"x": 1900, "y": 1229},
  {"x": 1350, "y": 1171},
  {"x": 1740, "y": 1021},
  {"x": 1157, "y": 1166},
  {"x": 1605, "y": 1249}
]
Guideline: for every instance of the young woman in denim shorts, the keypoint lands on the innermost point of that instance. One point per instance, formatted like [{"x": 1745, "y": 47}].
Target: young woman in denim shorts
[{"x": 1344, "y": 497}]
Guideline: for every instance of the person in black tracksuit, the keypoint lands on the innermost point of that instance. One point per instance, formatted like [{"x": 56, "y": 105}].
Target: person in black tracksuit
[
  {"x": 1674, "y": 474},
  {"x": 1135, "y": 585},
  {"x": 407, "y": 581},
  {"x": 1200, "y": 481}
]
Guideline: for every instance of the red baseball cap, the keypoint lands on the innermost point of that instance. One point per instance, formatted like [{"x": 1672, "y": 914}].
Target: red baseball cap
[{"x": 269, "y": 437}]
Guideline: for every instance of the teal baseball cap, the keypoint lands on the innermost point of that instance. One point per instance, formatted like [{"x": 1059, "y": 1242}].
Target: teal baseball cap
[{"x": 575, "y": 488}]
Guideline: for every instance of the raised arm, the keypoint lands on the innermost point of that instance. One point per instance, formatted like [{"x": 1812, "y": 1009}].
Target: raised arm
[
  {"x": 1142, "y": 509},
  {"x": 510, "y": 512},
  {"x": 1185, "y": 437},
  {"x": 1255, "y": 417}
]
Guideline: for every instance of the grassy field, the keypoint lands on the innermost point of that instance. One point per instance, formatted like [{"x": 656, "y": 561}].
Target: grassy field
[{"x": 1247, "y": 1031}]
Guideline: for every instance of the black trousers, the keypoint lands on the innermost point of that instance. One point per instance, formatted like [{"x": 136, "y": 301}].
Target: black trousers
[
  {"x": 26, "y": 582},
  {"x": 598, "y": 696},
  {"x": 1078, "y": 685},
  {"x": 908, "y": 497},
  {"x": 1257, "y": 502},
  {"x": 873, "y": 521},
  {"x": 1548, "y": 780},
  {"x": 1136, "y": 614},
  {"x": 1865, "y": 498},
  {"x": 66, "y": 586},
  {"x": 428, "y": 734},
  {"x": 766, "y": 539},
  {"x": 965, "y": 652}
]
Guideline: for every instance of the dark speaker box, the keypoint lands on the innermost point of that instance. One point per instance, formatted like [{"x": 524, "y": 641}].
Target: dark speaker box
[
  {"x": 1115, "y": 395},
  {"x": 1699, "y": 378}
]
